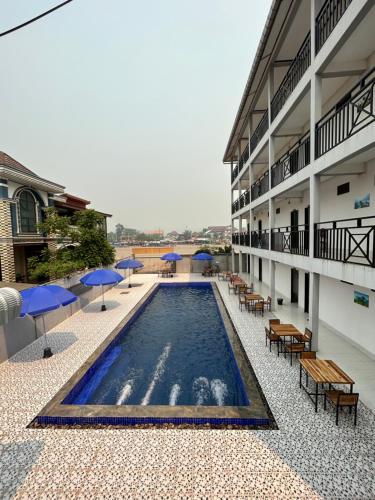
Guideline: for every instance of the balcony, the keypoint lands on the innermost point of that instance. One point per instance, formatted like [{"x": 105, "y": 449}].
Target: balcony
[
  {"x": 347, "y": 240},
  {"x": 294, "y": 74},
  {"x": 241, "y": 202},
  {"x": 352, "y": 113},
  {"x": 260, "y": 187},
  {"x": 235, "y": 206},
  {"x": 328, "y": 17},
  {"x": 260, "y": 239},
  {"x": 243, "y": 158},
  {"x": 259, "y": 132},
  {"x": 241, "y": 238},
  {"x": 244, "y": 199},
  {"x": 291, "y": 239},
  {"x": 235, "y": 172},
  {"x": 294, "y": 160}
]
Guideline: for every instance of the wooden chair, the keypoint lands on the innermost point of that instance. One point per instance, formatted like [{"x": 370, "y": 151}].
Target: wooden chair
[
  {"x": 299, "y": 344},
  {"x": 342, "y": 399},
  {"x": 293, "y": 348},
  {"x": 274, "y": 321},
  {"x": 308, "y": 355},
  {"x": 271, "y": 337},
  {"x": 231, "y": 287},
  {"x": 268, "y": 303},
  {"x": 242, "y": 301},
  {"x": 305, "y": 338},
  {"x": 259, "y": 307}
]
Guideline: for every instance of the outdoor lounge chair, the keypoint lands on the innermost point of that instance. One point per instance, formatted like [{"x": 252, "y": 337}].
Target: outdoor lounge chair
[{"x": 342, "y": 399}]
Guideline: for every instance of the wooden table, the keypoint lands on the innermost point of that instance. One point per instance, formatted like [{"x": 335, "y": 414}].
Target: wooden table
[
  {"x": 252, "y": 297},
  {"x": 283, "y": 330},
  {"x": 322, "y": 371}
]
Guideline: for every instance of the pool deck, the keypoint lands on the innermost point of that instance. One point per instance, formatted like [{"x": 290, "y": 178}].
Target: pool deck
[{"x": 308, "y": 457}]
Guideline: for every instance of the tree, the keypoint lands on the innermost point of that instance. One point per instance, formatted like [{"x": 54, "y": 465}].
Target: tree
[{"x": 83, "y": 244}]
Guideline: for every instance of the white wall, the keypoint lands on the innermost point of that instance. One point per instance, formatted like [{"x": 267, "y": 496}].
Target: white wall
[
  {"x": 338, "y": 310},
  {"x": 342, "y": 207}
]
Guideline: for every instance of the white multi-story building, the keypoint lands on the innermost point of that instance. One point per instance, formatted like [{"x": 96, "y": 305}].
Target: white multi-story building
[{"x": 302, "y": 156}]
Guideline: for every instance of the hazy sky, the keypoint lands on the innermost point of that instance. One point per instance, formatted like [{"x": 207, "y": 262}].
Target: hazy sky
[{"x": 129, "y": 103}]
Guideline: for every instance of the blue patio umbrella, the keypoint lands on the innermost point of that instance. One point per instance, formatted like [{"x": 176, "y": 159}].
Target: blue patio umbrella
[
  {"x": 171, "y": 257},
  {"x": 129, "y": 264},
  {"x": 39, "y": 300},
  {"x": 202, "y": 256},
  {"x": 101, "y": 277}
]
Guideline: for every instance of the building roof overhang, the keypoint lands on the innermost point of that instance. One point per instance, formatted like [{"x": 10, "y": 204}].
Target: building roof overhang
[
  {"x": 30, "y": 180},
  {"x": 277, "y": 17}
]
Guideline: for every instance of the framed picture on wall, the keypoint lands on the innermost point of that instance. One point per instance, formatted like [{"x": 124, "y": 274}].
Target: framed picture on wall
[
  {"x": 361, "y": 298},
  {"x": 363, "y": 202}
]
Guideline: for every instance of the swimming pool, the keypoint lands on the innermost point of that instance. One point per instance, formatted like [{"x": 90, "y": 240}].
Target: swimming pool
[
  {"x": 175, "y": 359},
  {"x": 176, "y": 352}
]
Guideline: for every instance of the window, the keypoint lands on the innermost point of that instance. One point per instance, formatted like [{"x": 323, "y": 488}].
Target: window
[
  {"x": 343, "y": 188},
  {"x": 27, "y": 206}
]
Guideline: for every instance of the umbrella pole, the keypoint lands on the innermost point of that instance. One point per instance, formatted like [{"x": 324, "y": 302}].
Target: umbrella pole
[
  {"x": 47, "y": 353},
  {"x": 103, "y": 305},
  {"x": 130, "y": 285}
]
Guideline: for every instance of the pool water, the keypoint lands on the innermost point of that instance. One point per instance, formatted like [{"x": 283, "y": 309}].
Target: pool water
[{"x": 176, "y": 352}]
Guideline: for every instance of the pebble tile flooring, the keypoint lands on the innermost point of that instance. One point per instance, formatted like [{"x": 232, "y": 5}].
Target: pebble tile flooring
[{"x": 308, "y": 457}]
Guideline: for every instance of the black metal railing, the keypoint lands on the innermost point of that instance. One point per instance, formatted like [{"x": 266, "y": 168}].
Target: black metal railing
[
  {"x": 346, "y": 240},
  {"x": 244, "y": 157},
  {"x": 235, "y": 172},
  {"x": 260, "y": 186},
  {"x": 325, "y": 22},
  {"x": 294, "y": 160},
  {"x": 260, "y": 239},
  {"x": 235, "y": 206},
  {"x": 259, "y": 131},
  {"x": 294, "y": 74},
  {"x": 242, "y": 238},
  {"x": 291, "y": 239},
  {"x": 244, "y": 199},
  {"x": 352, "y": 113},
  {"x": 245, "y": 239}
]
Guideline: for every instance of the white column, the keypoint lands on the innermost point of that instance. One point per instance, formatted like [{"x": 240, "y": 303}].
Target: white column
[
  {"x": 272, "y": 264},
  {"x": 270, "y": 91},
  {"x": 314, "y": 310},
  {"x": 252, "y": 268},
  {"x": 315, "y": 115},
  {"x": 240, "y": 254}
]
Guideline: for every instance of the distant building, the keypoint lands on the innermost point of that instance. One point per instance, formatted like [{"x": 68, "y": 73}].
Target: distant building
[
  {"x": 155, "y": 232},
  {"x": 218, "y": 232},
  {"x": 24, "y": 196}
]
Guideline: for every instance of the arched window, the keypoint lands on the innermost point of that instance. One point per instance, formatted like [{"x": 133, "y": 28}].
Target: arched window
[{"x": 28, "y": 207}]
